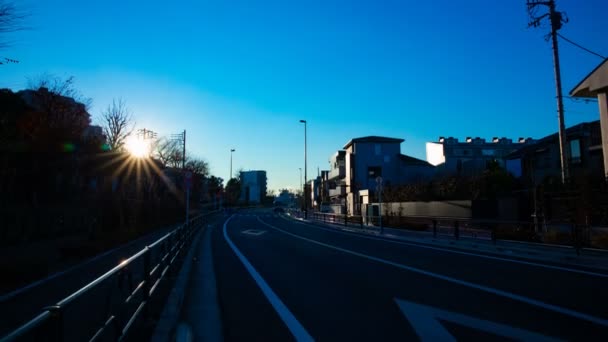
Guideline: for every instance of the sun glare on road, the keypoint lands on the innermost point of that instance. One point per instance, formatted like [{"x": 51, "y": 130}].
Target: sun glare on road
[{"x": 138, "y": 148}]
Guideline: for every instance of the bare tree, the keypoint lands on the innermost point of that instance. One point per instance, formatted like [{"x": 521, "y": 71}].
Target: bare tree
[
  {"x": 57, "y": 86},
  {"x": 168, "y": 152},
  {"x": 117, "y": 124},
  {"x": 197, "y": 166},
  {"x": 60, "y": 111},
  {"x": 10, "y": 21}
]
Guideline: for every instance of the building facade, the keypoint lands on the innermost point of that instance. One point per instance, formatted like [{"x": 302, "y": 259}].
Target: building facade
[
  {"x": 452, "y": 157},
  {"x": 365, "y": 163},
  {"x": 535, "y": 162},
  {"x": 253, "y": 186}
]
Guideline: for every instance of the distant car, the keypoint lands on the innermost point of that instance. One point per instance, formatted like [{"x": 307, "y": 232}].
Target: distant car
[{"x": 279, "y": 210}]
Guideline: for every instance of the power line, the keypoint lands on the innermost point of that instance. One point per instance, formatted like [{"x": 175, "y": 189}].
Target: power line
[{"x": 580, "y": 47}]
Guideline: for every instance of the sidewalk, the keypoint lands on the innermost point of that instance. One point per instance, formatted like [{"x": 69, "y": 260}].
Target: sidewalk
[{"x": 556, "y": 254}]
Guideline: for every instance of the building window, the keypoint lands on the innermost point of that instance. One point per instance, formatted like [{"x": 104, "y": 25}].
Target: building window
[
  {"x": 487, "y": 152},
  {"x": 374, "y": 171},
  {"x": 378, "y": 149},
  {"x": 575, "y": 151},
  {"x": 387, "y": 159}
]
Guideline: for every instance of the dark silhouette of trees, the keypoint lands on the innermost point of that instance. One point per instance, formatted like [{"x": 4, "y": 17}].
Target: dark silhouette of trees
[
  {"x": 117, "y": 124},
  {"x": 57, "y": 114},
  {"x": 197, "y": 166},
  {"x": 233, "y": 191}
]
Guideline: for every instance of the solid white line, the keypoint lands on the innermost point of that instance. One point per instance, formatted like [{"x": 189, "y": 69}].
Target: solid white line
[
  {"x": 523, "y": 299},
  {"x": 421, "y": 245},
  {"x": 294, "y": 326}
]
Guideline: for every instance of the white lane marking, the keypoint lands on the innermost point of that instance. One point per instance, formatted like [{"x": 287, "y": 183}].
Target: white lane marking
[
  {"x": 413, "y": 244},
  {"x": 516, "y": 297},
  {"x": 294, "y": 326},
  {"x": 426, "y": 321}
]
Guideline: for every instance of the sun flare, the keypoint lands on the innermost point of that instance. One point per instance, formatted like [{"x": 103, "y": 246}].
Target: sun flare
[{"x": 138, "y": 148}]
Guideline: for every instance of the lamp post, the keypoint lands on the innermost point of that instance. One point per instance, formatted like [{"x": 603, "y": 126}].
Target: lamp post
[
  {"x": 305, "y": 174},
  {"x": 300, "y": 177},
  {"x": 231, "y": 150}
]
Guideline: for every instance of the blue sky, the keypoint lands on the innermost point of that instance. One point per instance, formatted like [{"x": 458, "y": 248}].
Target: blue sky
[{"x": 241, "y": 74}]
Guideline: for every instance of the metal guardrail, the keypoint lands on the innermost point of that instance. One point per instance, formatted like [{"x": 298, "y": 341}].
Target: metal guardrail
[
  {"x": 577, "y": 236},
  {"x": 113, "y": 306}
]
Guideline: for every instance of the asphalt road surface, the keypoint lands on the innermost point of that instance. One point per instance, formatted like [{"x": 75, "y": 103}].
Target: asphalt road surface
[{"x": 281, "y": 279}]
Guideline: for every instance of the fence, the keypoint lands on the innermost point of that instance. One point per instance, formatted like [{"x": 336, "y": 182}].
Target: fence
[
  {"x": 121, "y": 303},
  {"x": 578, "y": 236}
]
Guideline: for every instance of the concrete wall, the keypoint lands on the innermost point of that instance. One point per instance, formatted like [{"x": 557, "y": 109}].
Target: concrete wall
[{"x": 433, "y": 208}]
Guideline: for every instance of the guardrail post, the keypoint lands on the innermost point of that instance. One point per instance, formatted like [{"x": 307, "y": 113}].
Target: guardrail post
[
  {"x": 456, "y": 229},
  {"x": 147, "y": 280},
  {"x": 435, "y": 229},
  {"x": 56, "y": 322}
]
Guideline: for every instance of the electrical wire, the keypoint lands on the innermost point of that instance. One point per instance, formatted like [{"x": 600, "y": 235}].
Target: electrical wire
[{"x": 580, "y": 47}]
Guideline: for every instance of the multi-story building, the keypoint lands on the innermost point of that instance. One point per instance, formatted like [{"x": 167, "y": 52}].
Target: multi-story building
[
  {"x": 253, "y": 186},
  {"x": 540, "y": 160},
  {"x": 365, "y": 162},
  {"x": 470, "y": 157}
]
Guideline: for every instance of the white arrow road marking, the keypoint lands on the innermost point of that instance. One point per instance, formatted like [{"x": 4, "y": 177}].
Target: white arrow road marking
[
  {"x": 425, "y": 320},
  {"x": 254, "y": 232}
]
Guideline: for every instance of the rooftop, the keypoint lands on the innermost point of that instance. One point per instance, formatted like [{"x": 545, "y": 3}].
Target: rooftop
[
  {"x": 414, "y": 161},
  {"x": 595, "y": 82},
  {"x": 373, "y": 139},
  {"x": 539, "y": 145}
]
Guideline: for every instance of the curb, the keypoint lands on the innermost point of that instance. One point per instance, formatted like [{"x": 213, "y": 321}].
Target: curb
[
  {"x": 169, "y": 317},
  {"x": 201, "y": 314}
]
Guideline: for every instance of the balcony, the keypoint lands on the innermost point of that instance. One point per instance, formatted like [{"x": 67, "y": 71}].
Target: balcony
[
  {"x": 338, "y": 191},
  {"x": 337, "y": 173}
]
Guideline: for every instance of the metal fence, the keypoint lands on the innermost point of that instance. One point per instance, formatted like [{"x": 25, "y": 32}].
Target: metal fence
[
  {"x": 121, "y": 303},
  {"x": 550, "y": 233}
]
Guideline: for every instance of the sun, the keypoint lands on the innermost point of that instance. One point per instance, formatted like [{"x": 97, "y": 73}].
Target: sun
[{"x": 138, "y": 148}]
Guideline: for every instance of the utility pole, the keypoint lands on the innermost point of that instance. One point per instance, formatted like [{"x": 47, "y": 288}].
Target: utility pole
[
  {"x": 187, "y": 175},
  {"x": 146, "y": 134},
  {"x": 556, "y": 18},
  {"x": 181, "y": 137}
]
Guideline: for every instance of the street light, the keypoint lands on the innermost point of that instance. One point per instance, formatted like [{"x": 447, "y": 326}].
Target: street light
[
  {"x": 231, "y": 150},
  {"x": 300, "y": 177},
  {"x": 305, "y": 174}
]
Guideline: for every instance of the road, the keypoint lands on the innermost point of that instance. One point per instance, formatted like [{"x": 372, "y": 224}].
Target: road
[{"x": 282, "y": 279}]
